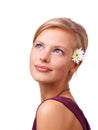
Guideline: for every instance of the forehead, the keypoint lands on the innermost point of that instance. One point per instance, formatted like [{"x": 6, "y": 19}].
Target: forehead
[{"x": 56, "y": 36}]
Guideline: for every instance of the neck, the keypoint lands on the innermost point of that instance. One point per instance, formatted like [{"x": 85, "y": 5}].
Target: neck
[{"x": 49, "y": 91}]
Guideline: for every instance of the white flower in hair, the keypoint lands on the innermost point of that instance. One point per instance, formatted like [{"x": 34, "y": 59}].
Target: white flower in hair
[{"x": 78, "y": 55}]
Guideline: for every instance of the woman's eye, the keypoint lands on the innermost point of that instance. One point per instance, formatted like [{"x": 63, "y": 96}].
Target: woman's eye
[
  {"x": 39, "y": 46},
  {"x": 58, "y": 51}
]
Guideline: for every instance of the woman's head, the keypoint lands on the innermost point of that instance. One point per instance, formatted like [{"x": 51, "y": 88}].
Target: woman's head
[
  {"x": 54, "y": 44},
  {"x": 78, "y": 31}
]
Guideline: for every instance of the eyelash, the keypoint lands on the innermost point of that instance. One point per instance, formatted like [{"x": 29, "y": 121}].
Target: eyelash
[
  {"x": 38, "y": 46},
  {"x": 57, "y": 50}
]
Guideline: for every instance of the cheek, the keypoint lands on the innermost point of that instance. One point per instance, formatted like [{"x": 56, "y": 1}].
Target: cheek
[
  {"x": 33, "y": 57},
  {"x": 62, "y": 67},
  {"x": 32, "y": 60}
]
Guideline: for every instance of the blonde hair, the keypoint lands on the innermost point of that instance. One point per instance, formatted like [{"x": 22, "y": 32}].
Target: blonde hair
[{"x": 81, "y": 38}]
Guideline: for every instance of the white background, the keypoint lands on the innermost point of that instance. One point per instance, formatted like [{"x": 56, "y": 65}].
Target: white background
[{"x": 19, "y": 94}]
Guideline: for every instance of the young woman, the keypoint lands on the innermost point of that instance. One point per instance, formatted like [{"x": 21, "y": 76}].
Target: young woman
[{"x": 59, "y": 46}]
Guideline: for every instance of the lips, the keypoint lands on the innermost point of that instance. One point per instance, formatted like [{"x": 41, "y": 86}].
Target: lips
[{"x": 42, "y": 68}]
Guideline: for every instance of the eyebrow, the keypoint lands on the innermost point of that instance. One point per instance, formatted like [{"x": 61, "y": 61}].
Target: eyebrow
[
  {"x": 38, "y": 42},
  {"x": 57, "y": 46}
]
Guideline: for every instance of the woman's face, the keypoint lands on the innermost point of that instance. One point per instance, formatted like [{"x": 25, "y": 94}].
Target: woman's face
[{"x": 51, "y": 56}]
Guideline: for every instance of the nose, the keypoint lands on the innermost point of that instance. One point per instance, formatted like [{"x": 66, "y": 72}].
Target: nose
[{"x": 45, "y": 56}]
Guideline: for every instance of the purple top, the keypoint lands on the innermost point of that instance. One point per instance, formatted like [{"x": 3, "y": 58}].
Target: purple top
[{"x": 72, "y": 106}]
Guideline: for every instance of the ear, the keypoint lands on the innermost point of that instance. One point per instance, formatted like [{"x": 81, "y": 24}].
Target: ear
[{"x": 74, "y": 67}]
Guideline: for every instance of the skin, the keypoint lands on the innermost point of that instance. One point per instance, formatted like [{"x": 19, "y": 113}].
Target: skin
[{"x": 50, "y": 64}]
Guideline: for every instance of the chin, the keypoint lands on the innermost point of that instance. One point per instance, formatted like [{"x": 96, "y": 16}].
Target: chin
[{"x": 40, "y": 78}]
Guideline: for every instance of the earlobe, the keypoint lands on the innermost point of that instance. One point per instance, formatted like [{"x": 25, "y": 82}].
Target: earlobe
[{"x": 75, "y": 66}]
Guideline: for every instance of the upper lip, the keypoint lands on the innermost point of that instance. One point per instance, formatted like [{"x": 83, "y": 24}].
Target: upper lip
[{"x": 43, "y": 67}]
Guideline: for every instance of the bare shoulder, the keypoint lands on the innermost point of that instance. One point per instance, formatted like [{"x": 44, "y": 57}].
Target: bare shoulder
[{"x": 54, "y": 115}]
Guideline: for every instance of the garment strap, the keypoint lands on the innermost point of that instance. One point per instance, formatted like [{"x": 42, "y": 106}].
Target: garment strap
[{"x": 72, "y": 106}]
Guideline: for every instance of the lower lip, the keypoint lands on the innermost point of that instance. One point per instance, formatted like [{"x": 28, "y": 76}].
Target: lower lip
[{"x": 41, "y": 69}]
